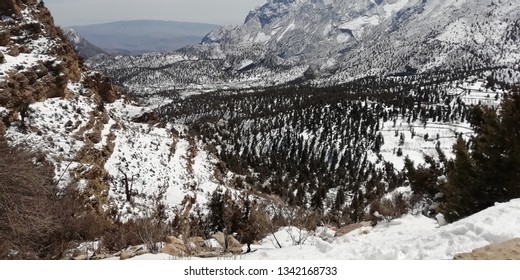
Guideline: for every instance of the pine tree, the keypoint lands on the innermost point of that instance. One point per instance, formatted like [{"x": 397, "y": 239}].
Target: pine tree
[
  {"x": 491, "y": 171},
  {"x": 461, "y": 191}
]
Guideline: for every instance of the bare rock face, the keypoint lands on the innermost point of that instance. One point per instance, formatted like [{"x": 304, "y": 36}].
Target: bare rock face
[
  {"x": 509, "y": 250},
  {"x": 45, "y": 79},
  {"x": 102, "y": 86}
]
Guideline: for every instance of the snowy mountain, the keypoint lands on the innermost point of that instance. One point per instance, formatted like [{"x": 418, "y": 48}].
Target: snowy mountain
[
  {"x": 367, "y": 37},
  {"x": 84, "y": 48},
  {"x": 332, "y": 42}
]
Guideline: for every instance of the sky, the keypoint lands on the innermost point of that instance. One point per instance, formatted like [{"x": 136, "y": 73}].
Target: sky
[{"x": 82, "y": 12}]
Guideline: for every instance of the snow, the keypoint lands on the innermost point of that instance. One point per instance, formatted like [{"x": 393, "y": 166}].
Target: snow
[
  {"x": 456, "y": 32},
  {"x": 343, "y": 37},
  {"x": 360, "y": 22},
  {"x": 158, "y": 164},
  {"x": 291, "y": 26},
  {"x": 245, "y": 63},
  {"x": 60, "y": 126},
  {"x": 261, "y": 37},
  {"x": 408, "y": 238},
  {"x": 391, "y": 8},
  {"x": 417, "y": 147},
  {"x": 411, "y": 237}
]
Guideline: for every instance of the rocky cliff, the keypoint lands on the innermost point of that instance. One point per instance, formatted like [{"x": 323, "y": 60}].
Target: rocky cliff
[{"x": 53, "y": 104}]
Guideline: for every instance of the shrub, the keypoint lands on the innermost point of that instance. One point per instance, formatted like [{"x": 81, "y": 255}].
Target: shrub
[
  {"x": 386, "y": 209},
  {"x": 27, "y": 209}
]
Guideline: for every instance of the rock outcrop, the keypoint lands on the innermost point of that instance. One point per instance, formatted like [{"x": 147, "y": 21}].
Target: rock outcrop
[
  {"x": 509, "y": 250},
  {"x": 45, "y": 76}
]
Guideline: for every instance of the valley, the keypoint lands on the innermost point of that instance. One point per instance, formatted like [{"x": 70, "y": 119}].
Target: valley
[{"x": 312, "y": 116}]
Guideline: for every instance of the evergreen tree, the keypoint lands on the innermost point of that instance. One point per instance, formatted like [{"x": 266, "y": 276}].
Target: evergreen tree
[
  {"x": 461, "y": 191},
  {"x": 491, "y": 171}
]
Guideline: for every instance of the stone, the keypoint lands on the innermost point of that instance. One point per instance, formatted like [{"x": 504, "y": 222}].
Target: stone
[
  {"x": 508, "y": 250},
  {"x": 349, "y": 228},
  {"x": 234, "y": 245},
  {"x": 5, "y": 38},
  {"x": 175, "y": 241},
  {"x": 13, "y": 51},
  {"x": 219, "y": 236},
  {"x": 173, "y": 250},
  {"x": 198, "y": 241},
  {"x": 132, "y": 252},
  {"x": 213, "y": 254},
  {"x": 80, "y": 258},
  {"x": 103, "y": 87},
  {"x": 101, "y": 256}
]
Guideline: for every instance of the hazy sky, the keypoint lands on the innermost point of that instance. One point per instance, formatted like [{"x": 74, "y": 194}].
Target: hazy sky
[{"x": 80, "y": 12}]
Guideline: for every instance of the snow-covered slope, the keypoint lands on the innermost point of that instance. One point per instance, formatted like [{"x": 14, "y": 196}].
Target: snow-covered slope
[
  {"x": 408, "y": 238},
  {"x": 74, "y": 117}
]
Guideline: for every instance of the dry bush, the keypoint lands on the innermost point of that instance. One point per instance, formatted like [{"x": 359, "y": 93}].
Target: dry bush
[
  {"x": 77, "y": 222},
  {"x": 388, "y": 209},
  {"x": 26, "y": 204},
  {"x": 144, "y": 231},
  {"x": 304, "y": 221}
]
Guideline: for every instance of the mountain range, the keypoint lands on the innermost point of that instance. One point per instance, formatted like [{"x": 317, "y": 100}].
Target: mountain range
[
  {"x": 140, "y": 36},
  {"x": 332, "y": 42}
]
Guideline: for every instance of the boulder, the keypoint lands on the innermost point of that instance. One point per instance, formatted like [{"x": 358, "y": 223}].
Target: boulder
[
  {"x": 132, "y": 252},
  {"x": 176, "y": 241},
  {"x": 219, "y": 236},
  {"x": 80, "y": 257},
  {"x": 101, "y": 256},
  {"x": 509, "y": 250},
  {"x": 349, "y": 228},
  {"x": 198, "y": 241},
  {"x": 5, "y": 38},
  {"x": 13, "y": 51},
  {"x": 208, "y": 254},
  {"x": 103, "y": 87},
  {"x": 234, "y": 245},
  {"x": 173, "y": 250}
]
